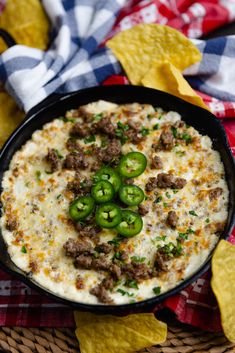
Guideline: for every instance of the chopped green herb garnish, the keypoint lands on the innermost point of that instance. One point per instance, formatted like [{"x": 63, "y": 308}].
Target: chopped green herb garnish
[
  {"x": 122, "y": 126},
  {"x": 27, "y": 184},
  {"x": 119, "y": 133},
  {"x": 118, "y": 282},
  {"x": 175, "y": 191},
  {"x": 144, "y": 131},
  {"x": 156, "y": 127},
  {"x": 168, "y": 248},
  {"x": 187, "y": 138},
  {"x": 38, "y": 175},
  {"x": 171, "y": 249},
  {"x": 89, "y": 139},
  {"x": 207, "y": 220},
  {"x": 183, "y": 236},
  {"x": 174, "y": 131},
  {"x": 163, "y": 237},
  {"x": 115, "y": 241},
  {"x": 157, "y": 290},
  {"x": 117, "y": 255},
  {"x": 193, "y": 213},
  {"x": 98, "y": 117},
  {"x": 178, "y": 249},
  {"x": 48, "y": 172},
  {"x": 68, "y": 120},
  {"x": 59, "y": 196},
  {"x": 104, "y": 141},
  {"x": 88, "y": 152},
  {"x": 149, "y": 116},
  {"x": 123, "y": 292},
  {"x": 158, "y": 199},
  {"x": 138, "y": 259},
  {"x": 23, "y": 249},
  {"x": 180, "y": 153},
  {"x": 131, "y": 284},
  {"x": 96, "y": 255},
  {"x": 124, "y": 139},
  {"x": 165, "y": 204},
  {"x": 168, "y": 195},
  {"x": 59, "y": 155}
]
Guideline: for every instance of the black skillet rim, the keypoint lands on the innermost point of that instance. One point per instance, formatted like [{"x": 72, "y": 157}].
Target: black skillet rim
[{"x": 146, "y": 304}]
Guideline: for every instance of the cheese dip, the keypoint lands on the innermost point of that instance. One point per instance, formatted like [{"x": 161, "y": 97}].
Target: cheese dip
[{"x": 113, "y": 204}]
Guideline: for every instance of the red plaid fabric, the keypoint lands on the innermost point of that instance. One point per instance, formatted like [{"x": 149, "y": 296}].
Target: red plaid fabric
[
  {"x": 193, "y": 18},
  {"x": 196, "y": 304},
  {"x": 22, "y": 306}
]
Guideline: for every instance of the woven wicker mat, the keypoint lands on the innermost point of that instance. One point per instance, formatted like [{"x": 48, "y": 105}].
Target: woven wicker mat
[{"x": 181, "y": 338}]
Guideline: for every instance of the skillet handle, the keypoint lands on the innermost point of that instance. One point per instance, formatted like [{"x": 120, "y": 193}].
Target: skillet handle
[{"x": 7, "y": 38}]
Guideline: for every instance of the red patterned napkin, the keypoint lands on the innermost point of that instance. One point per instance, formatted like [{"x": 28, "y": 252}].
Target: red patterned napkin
[
  {"x": 196, "y": 304},
  {"x": 193, "y": 18}
]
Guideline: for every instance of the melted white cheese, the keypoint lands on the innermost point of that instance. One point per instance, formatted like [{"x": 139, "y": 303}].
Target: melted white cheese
[{"x": 40, "y": 203}]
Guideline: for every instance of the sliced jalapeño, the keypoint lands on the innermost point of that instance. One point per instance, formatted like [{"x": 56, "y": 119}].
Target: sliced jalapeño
[
  {"x": 132, "y": 164},
  {"x": 131, "y": 224},
  {"x": 102, "y": 191},
  {"x": 108, "y": 215},
  {"x": 108, "y": 174},
  {"x": 81, "y": 208},
  {"x": 131, "y": 195}
]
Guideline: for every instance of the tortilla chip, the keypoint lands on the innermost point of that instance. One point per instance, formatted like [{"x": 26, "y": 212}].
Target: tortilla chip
[
  {"x": 27, "y": 22},
  {"x": 113, "y": 334},
  {"x": 166, "y": 77},
  {"x": 223, "y": 285},
  {"x": 10, "y": 116},
  {"x": 144, "y": 45}
]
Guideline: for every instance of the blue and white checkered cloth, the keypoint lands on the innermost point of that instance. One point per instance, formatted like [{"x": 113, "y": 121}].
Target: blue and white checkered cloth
[
  {"x": 215, "y": 74},
  {"x": 75, "y": 61}
]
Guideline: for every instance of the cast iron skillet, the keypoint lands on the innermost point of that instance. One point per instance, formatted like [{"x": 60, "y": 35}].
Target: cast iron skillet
[{"x": 56, "y": 106}]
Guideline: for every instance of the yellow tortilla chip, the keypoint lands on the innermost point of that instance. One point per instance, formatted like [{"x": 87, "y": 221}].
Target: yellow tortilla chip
[
  {"x": 112, "y": 334},
  {"x": 10, "y": 116},
  {"x": 27, "y": 22},
  {"x": 144, "y": 45},
  {"x": 166, "y": 77},
  {"x": 223, "y": 285}
]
